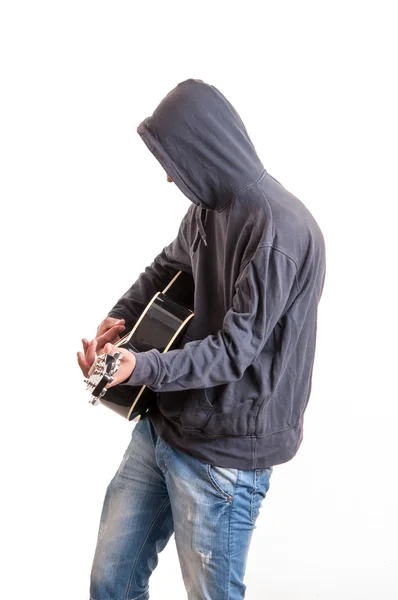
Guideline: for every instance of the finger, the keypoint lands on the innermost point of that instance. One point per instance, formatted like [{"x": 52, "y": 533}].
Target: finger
[
  {"x": 85, "y": 345},
  {"x": 107, "y": 324},
  {"x": 114, "y": 331},
  {"x": 90, "y": 352},
  {"x": 110, "y": 349},
  {"x": 120, "y": 331},
  {"x": 109, "y": 336},
  {"x": 83, "y": 364}
]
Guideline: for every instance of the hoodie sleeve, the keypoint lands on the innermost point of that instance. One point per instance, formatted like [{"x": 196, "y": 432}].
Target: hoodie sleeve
[
  {"x": 173, "y": 258},
  {"x": 262, "y": 292}
]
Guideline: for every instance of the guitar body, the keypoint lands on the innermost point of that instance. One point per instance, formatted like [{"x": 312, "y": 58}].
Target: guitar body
[{"x": 161, "y": 326}]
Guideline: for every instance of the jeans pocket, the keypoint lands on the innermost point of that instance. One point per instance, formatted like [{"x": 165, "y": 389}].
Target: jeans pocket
[
  {"x": 260, "y": 489},
  {"x": 223, "y": 480}
]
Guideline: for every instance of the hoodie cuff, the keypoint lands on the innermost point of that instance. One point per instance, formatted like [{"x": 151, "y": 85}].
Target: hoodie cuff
[{"x": 146, "y": 369}]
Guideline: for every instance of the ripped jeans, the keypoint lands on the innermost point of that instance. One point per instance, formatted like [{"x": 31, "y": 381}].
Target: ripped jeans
[{"x": 158, "y": 491}]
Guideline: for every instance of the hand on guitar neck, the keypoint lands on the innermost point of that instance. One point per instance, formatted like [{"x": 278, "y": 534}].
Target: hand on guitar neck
[
  {"x": 107, "y": 333},
  {"x": 161, "y": 326}
]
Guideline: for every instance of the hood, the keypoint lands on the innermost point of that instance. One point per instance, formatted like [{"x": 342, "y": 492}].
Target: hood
[{"x": 202, "y": 143}]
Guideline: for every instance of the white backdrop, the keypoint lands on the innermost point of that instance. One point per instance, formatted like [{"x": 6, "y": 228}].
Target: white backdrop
[{"x": 85, "y": 207}]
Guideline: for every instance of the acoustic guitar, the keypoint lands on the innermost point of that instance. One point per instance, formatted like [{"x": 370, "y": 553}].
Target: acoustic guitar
[{"x": 161, "y": 325}]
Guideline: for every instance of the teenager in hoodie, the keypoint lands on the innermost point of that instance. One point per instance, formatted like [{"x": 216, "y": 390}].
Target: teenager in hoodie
[{"x": 230, "y": 401}]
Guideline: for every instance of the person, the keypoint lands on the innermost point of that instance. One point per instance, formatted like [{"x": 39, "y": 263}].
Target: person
[{"x": 230, "y": 401}]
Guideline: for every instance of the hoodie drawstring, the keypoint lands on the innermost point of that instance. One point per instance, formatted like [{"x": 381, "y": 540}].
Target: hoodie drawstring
[
  {"x": 199, "y": 221},
  {"x": 200, "y": 234}
]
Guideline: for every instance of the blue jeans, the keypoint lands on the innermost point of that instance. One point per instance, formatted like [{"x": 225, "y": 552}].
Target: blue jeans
[{"x": 158, "y": 491}]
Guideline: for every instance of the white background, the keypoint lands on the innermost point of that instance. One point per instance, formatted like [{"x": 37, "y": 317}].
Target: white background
[{"x": 85, "y": 208}]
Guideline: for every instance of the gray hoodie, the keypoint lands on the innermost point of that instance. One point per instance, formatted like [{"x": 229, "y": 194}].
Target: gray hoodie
[{"x": 235, "y": 393}]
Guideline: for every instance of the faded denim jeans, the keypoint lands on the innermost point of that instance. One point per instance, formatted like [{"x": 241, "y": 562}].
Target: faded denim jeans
[{"x": 158, "y": 491}]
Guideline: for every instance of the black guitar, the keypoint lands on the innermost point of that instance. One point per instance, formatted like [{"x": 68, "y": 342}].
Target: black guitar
[{"x": 161, "y": 326}]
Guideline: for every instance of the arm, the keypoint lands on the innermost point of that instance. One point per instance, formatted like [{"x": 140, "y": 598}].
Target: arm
[
  {"x": 173, "y": 258},
  {"x": 262, "y": 292}
]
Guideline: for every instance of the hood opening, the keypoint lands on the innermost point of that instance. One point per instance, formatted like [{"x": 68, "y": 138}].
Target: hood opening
[{"x": 201, "y": 142}]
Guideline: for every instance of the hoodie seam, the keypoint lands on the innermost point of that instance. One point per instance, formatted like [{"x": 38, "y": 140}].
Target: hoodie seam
[
  {"x": 270, "y": 209},
  {"x": 252, "y": 436},
  {"x": 264, "y": 174},
  {"x": 277, "y": 249},
  {"x": 159, "y": 373}
]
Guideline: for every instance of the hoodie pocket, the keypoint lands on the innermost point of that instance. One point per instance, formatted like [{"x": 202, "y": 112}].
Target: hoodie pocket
[
  {"x": 229, "y": 415},
  {"x": 210, "y": 411},
  {"x": 196, "y": 410},
  {"x": 188, "y": 407}
]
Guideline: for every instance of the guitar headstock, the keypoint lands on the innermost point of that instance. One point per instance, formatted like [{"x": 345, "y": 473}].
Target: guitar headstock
[{"x": 101, "y": 374}]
